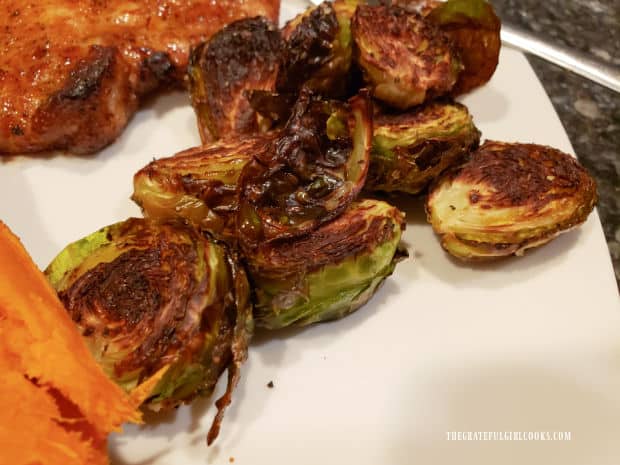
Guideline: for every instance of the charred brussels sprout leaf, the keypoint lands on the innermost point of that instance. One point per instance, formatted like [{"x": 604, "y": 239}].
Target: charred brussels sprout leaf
[
  {"x": 294, "y": 179},
  {"x": 316, "y": 168},
  {"x": 474, "y": 28},
  {"x": 199, "y": 184},
  {"x": 317, "y": 51},
  {"x": 330, "y": 272},
  {"x": 149, "y": 294},
  {"x": 241, "y": 57},
  {"x": 507, "y": 198},
  {"x": 406, "y": 59},
  {"x": 411, "y": 149}
]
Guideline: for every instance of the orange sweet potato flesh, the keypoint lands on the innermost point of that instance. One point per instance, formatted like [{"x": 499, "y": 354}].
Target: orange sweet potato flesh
[
  {"x": 56, "y": 404},
  {"x": 32, "y": 429}
]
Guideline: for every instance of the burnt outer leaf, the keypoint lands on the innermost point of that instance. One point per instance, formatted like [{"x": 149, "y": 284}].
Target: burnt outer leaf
[
  {"x": 308, "y": 46},
  {"x": 405, "y": 59},
  {"x": 242, "y": 333},
  {"x": 316, "y": 167},
  {"x": 317, "y": 51},
  {"x": 241, "y": 57},
  {"x": 474, "y": 28},
  {"x": 507, "y": 198}
]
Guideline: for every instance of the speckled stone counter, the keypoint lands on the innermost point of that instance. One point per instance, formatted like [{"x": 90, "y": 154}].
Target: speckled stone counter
[{"x": 589, "y": 112}]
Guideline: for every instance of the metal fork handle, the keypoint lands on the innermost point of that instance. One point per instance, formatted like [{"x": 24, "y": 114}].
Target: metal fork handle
[{"x": 594, "y": 70}]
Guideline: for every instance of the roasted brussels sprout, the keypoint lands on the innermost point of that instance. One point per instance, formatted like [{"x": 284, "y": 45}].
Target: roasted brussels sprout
[
  {"x": 410, "y": 149},
  {"x": 507, "y": 198},
  {"x": 317, "y": 51},
  {"x": 330, "y": 272},
  {"x": 294, "y": 179},
  {"x": 316, "y": 168},
  {"x": 473, "y": 27},
  {"x": 199, "y": 184},
  {"x": 241, "y": 57},
  {"x": 405, "y": 59},
  {"x": 148, "y": 294}
]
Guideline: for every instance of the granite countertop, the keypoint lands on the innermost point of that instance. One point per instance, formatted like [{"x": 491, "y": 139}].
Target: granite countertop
[{"x": 589, "y": 112}]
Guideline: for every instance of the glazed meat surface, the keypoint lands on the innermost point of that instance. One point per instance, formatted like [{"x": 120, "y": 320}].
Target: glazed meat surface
[{"x": 72, "y": 72}]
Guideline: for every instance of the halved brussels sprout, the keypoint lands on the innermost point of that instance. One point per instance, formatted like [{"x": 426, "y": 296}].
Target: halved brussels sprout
[
  {"x": 474, "y": 28},
  {"x": 330, "y": 272},
  {"x": 147, "y": 295},
  {"x": 317, "y": 167},
  {"x": 411, "y": 149},
  {"x": 241, "y": 57},
  {"x": 507, "y": 198},
  {"x": 406, "y": 59},
  {"x": 317, "y": 51},
  {"x": 199, "y": 184}
]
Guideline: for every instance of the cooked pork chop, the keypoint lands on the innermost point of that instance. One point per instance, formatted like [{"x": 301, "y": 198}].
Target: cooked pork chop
[{"x": 72, "y": 72}]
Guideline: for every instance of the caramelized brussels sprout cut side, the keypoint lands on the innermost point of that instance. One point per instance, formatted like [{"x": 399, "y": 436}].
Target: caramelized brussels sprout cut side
[
  {"x": 317, "y": 51},
  {"x": 241, "y": 57},
  {"x": 406, "y": 59},
  {"x": 317, "y": 167},
  {"x": 474, "y": 28},
  {"x": 147, "y": 295},
  {"x": 199, "y": 184},
  {"x": 411, "y": 149},
  {"x": 330, "y": 272},
  {"x": 507, "y": 198}
]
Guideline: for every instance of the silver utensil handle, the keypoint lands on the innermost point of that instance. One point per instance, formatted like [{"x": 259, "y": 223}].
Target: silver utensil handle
[{"x": 596, "y": 71}]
